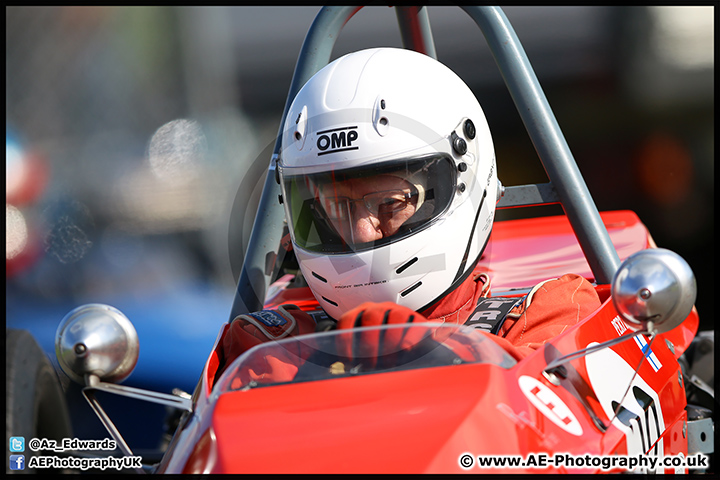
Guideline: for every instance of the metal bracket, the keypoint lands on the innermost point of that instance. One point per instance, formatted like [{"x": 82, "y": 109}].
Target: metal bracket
[
  {"x": 701, "y": 436},
  {"x": 89, "y": 395},
  {"x": 174, "y": 401},
  {"x": 528, "y": 195},
  {"x": 94, "y": 384}
]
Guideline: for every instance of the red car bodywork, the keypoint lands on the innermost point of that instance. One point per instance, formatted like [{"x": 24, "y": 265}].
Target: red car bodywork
[{"x": 424, "y": 420}]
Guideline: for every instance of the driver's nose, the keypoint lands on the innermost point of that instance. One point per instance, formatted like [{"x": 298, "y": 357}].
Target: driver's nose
[{"x": 366, "y": 226}]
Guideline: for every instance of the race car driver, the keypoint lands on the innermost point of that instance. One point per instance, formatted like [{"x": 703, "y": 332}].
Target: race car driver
[{"x": 389, "y": 185}]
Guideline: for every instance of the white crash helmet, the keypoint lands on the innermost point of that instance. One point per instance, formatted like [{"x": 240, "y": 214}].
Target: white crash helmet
[{"x": 405, "y": 117}]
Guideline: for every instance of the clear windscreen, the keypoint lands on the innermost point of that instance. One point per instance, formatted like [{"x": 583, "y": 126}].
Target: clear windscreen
[{"x": 361, "y": 351}]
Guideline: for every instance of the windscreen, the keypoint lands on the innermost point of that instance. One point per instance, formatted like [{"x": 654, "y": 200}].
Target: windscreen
[{"x": 361, "y": 351}]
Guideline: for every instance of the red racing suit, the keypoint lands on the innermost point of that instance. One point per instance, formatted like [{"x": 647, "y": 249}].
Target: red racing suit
[{"x": 549, "y": 309}]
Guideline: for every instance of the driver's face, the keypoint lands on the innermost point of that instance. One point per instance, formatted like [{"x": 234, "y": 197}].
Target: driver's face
[{"x": 368, "y": 209}]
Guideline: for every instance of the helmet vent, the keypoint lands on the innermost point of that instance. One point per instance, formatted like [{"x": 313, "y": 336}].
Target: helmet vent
[
  {"x": 380, "y": 119},
  {"x": 300, "y": 128},
  {"x": 404, "y": 267},
  {"x": 322, "y": 279},
  {"x": 330, "y": 302},
  {"x": 409, "y": 290}
]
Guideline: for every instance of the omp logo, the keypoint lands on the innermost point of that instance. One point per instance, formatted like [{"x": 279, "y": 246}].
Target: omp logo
[{"x": 337, "y": 140}]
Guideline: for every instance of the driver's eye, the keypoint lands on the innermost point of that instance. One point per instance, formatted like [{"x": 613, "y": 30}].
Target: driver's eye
[
  {"x": 377, "y": 203},
  {"x": 390, "y": 204}
]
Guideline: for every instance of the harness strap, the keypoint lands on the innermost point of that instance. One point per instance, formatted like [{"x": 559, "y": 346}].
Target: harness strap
[{"x": 490, "y": 313}]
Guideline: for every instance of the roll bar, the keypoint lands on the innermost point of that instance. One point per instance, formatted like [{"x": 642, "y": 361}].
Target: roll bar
[{"x": 566, "y": 186}]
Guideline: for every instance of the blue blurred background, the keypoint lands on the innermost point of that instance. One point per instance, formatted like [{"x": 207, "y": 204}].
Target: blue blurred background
[{"x": 130, "y": 131}]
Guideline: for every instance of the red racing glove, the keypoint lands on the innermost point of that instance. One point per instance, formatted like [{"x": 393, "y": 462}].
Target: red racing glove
[{"x": 367, "y": 346}]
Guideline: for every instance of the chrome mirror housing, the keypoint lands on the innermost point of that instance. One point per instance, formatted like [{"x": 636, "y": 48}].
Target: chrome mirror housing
[
  {"x": 654, "y": 290},
  {"x": 96, "y": 340}
]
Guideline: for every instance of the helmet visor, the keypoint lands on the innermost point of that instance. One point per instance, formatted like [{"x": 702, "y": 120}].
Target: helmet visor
[{"x": 355, "y": 209}]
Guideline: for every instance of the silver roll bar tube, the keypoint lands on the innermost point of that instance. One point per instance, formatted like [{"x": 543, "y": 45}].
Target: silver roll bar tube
[{"x": 529, "y": 99}]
